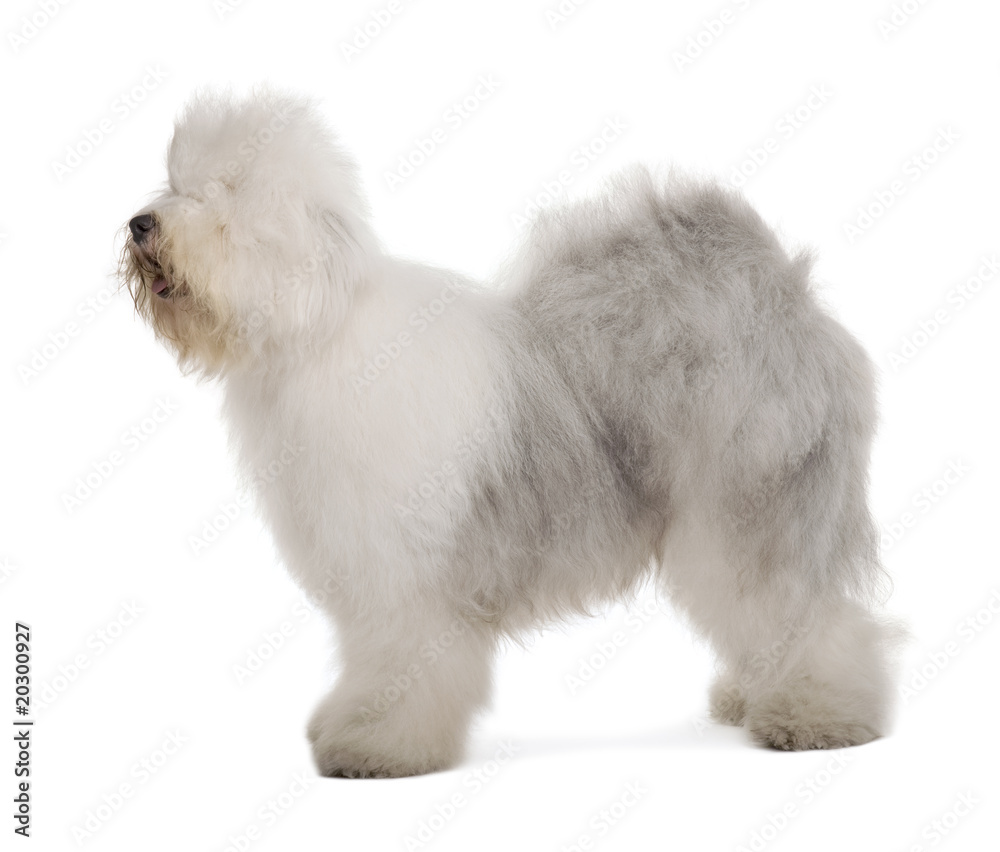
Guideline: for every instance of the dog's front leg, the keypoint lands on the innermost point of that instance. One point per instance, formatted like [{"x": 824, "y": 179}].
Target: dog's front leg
[{"x": 411, "y": 682}]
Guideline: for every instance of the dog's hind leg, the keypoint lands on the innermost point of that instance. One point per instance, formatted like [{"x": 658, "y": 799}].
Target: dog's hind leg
[
  {"x": 802, "y": 664},
  {"x": 774, "y": 571}
]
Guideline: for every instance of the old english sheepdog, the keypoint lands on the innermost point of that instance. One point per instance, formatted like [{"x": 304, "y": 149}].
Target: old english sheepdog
[{"x": 650, "y": 390}]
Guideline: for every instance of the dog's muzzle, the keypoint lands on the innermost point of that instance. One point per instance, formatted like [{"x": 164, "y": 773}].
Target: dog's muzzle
[{"x": 143, "y": 230}]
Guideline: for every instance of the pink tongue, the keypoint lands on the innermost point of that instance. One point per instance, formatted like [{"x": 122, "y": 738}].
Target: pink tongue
[{"x": 158, "y": 285}]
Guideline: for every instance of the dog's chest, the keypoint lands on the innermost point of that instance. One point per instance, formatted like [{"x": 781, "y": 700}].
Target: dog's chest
[
  {"x": 326, "y": 469},
  {"x": 295, "y": 448}
]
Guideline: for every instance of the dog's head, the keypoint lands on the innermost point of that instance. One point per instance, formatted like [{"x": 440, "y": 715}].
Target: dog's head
[{"x": 258, "y": 243}]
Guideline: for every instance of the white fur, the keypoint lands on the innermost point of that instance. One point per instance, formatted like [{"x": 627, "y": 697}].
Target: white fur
[{"x": 653, "y": 388}]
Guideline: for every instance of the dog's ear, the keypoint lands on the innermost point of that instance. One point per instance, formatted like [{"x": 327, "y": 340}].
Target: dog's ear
[{"x": 324, "y": 284}]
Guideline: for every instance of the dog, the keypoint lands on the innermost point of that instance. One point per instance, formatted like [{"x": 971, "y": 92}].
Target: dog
[{"x": 649, "y": 391}]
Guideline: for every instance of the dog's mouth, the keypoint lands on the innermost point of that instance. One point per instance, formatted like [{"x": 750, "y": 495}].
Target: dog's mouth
[
  {"x": 151, "y": 271},
  {"x": 161, "y": 287}
]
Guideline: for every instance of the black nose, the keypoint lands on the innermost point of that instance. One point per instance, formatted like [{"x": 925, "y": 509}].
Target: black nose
[{"x": 141, "y": 225}]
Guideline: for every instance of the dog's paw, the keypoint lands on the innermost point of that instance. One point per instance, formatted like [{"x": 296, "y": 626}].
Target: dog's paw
[
  {"x": 335, "y": 760},
  {"x": 791, "y": 736},
  {"x": 345, "y": 746},
  {"x": 789, "y": 724},
  {"x": 358, "y": 753}
]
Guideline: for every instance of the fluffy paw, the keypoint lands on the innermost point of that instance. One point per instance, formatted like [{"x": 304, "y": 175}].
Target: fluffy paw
[
  {"x": 793, "y": 724},
  {"x": 344, "y": 746},
  {"x": 335, "y": 760}
]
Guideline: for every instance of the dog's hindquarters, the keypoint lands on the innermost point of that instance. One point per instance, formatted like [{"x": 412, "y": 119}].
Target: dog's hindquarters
[
  {"x": 749, "y": 415},
  {"x": 775, "y": 553}
]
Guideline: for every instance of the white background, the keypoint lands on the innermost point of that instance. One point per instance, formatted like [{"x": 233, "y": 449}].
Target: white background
[{"x": 80, "y": 373}]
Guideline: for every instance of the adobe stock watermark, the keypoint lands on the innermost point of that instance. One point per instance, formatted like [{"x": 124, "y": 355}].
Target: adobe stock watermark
[
  {"x": 581, "y": 158},
  {"x": 697, "y": 44},
  {"x": 94, "y": 136},
  {"x": 268, "y": 814},
  {"x": 271, "y": 642},
  {"x": 900, "y": 14},
  {"x": 804, "y": 794},
  {"x": 224, "y": 8},
  {"x": 245, "y": 152},
  {"x": 762, "y": 667},
  {"x": 274, "y": 640},
  {"x": 376, "y": 22},
  {"x": 452, "y": 119},
  {"x": 31, "y": 26},
  {"x": 417, "y": 323},
  {"x": 433, "y": 482},
  {"x": 7, "y": 570},
  {"x": 306, "y": 270},
  {"x": 131, "y": 440},
  {"x": 938, "y": 661},
  {"x": 400, "y": 683},
  {"x": 945, "y": 824},
  {"x": 955, "y": 300},
  {"x": 95, "y": 645},
  {"x": 230, "y": 511},
  {"x": 564, "y": 525},
  {"x": 923, "y": 501},
  {"x": 590, "y": 666},
  {"x": 139, "y": 775},
  {"x": 790, "y": 123},
  {"x": 721, "y": 361},
  {"x": 474, "y": 783},
  {"x": 561, "y": 12},
  {"x": 914, "y": 168},
  {"x": 601, "y": 823},
  {"x": 58, "y": 341}
]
